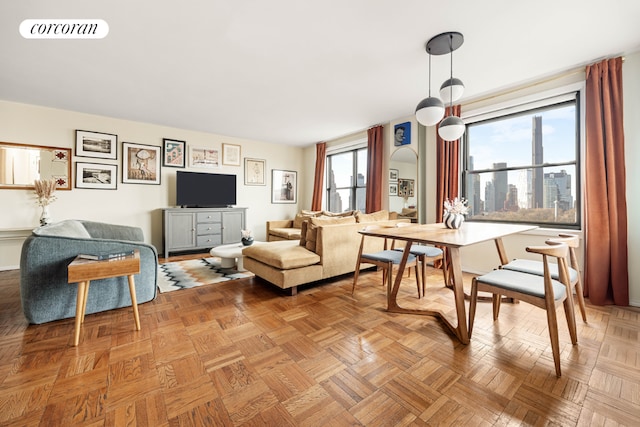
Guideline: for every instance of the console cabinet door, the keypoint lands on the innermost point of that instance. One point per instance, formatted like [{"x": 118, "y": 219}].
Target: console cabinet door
[
  {"x": 181, "y": 231},
  {"x": 232, "y": 225}
]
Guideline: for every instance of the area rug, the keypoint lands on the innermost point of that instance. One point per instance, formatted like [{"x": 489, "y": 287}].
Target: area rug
[{"x": 173, "y": 276}]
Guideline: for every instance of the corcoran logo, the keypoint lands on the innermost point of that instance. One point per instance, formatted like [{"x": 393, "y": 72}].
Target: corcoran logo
[{"x": 64, "y": 29}]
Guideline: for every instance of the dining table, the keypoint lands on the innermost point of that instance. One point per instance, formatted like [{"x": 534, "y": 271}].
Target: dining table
[{"x": 470, "y": 233}]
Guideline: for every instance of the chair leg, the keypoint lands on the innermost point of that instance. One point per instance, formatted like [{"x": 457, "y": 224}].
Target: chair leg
[
  {"x": 580, "y": 296},
  {"x": 423, "y": 264},
  {"x": 472, "y": 304},
  {"x": 571, "y": 317},
  {"x": 552, "y": 324},
  {"x": 418, "y": 280},
  {"x": 496, "y": 305},
  {"x": 355, "y": 278}
]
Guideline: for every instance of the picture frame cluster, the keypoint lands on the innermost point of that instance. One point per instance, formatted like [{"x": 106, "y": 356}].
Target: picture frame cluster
[{"x": 141, "y": 163}]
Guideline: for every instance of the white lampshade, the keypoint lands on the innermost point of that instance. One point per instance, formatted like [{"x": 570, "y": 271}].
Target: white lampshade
[
  {"x": 451, "y": 128},
  {"x": 452, "y": 85},
  {"x": 430, "y": 111}
]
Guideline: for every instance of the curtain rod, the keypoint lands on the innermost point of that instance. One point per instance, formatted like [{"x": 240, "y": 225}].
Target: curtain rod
[{"x": 563, "y": 75}]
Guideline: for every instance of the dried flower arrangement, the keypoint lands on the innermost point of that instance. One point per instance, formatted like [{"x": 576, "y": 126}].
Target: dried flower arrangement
[
  {"x": 246, "y": 234},
  {"x": 456, "y": 206},
  {"x": 45, "y": 189}
]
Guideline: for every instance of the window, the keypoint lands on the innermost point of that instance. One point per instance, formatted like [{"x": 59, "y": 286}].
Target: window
[
  {"x": 345, "y": 193},
  {"x": 523, "y": 167}
]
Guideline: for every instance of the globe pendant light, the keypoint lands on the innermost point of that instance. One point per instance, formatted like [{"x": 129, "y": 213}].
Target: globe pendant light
[
  {"x": 451, "y": 90},
  {"x": 430, "y": 110},
  {"x": 452, "y": 127}
]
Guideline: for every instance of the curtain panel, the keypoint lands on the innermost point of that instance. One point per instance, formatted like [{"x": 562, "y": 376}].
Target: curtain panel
[
  {"x": 448, "y": 167},
  {"x": 606, "y": 274},
  {"x": 318, "y": 181},
  {"x": 374, "y": 169}
]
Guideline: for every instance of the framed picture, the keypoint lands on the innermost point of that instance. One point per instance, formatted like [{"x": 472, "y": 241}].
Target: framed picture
[
  {"x": 402, "y": 134},
  {"x": 204, "y": 158},
  {"x": 174, "y": 153},
  {"x": 140, "y": 164},
  {"x": 254, "y": 171},
  {"x": 393, "y": 175},
  {"x": 95, "y": 144},
  {"x": 231, "y": 154},
  {"x": 284, "y": 186},
  {"x": 393, "y": 189},
  {"x": 97, "y": 176},
  {"x": 405, "y": 187}
]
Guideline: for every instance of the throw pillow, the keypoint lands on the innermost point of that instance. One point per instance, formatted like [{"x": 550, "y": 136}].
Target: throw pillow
[
  {"x": 382, "y": 215},
  {"x": 303, "y": 233},
  {"x": 338, "y": 214},
  {"x": 303, "y": 216},
  {"x": 66, "y": 228}
]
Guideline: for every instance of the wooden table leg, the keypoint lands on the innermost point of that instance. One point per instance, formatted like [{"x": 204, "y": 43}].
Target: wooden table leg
[
  {"x": 134, "y": 301},
  {"x": 458, "y": 294},
  {"x": 79, "y": 311},
  {"x": 84, "y": 300}
]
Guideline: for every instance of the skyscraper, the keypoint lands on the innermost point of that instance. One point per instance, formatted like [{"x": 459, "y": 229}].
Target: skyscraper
[{"x": 537, "y": 159}]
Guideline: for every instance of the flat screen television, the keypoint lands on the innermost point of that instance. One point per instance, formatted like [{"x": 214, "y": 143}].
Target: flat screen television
[{"x": 205, "y": 190}]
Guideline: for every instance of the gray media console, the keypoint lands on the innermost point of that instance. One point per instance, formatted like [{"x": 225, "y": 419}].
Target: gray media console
[{"x": 186, "y": 229}]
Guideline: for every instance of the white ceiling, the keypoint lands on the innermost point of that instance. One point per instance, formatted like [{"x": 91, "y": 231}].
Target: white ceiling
[{"x": 295, "y": 71}]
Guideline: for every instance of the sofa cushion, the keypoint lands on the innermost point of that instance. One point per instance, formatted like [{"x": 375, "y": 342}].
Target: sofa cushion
[
  {"x": 382, "y": 215},
  {"x": 284, "y": 255},
  {"x": 66, "y": 228},
  {"x": 314, "y": 223},
  {"x": 286, "y": 233}
]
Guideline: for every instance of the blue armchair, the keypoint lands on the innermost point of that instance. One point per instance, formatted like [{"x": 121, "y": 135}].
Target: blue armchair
[{"x": 45, "y": 292}]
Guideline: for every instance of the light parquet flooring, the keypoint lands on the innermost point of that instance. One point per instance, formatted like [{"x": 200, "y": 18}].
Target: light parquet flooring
[{"x": 245, "y": 354}]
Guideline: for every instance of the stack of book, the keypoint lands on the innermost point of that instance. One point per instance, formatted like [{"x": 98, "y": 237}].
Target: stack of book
[{"x": 102, "y": 256}]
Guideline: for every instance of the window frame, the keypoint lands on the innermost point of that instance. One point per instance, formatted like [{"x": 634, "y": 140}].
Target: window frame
[
  {"x": 524, "y": 105},
  {"x": 353, "y": 148}
]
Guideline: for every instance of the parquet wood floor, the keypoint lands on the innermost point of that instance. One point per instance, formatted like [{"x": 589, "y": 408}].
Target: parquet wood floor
[{"x": 244, "y": 354}]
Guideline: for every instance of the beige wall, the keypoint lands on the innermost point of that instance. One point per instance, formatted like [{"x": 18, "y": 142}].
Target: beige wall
[{"x": 131, "y": 204}]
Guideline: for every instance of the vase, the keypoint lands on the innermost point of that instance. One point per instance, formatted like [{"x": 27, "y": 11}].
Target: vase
[
  {"x": 44, "y": 216},
  {"x": 453, "y": 220},
  {"x": 247, "y": 241}
]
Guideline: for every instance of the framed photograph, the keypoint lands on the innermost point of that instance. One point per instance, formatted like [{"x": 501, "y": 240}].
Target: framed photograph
[
  {"x": 97, "y": 176},
  {"x": 204, "y": 158},
  {"x": 402, "y": 134},
  {"x": 95, "y": 144},
  {"x": 393, "y": 175},
  {"x": 405, "y": 187},
  {"x": 393, "y": 189},
  {"x": 254, "y": 171},
  {"x": 284, "y": 186},
  {"x": 231, "y": 155},
  {"x": 140, "y": 164},
  {"x": 174, "y": 153}
]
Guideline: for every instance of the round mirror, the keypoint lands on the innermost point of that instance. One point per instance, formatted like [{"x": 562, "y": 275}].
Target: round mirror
[{"x": 403, "y": 179}]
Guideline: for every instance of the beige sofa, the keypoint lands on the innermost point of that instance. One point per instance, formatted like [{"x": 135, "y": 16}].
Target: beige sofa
[
  {"x": 290, "y": 229},
  {"x": 329, "y": 248}
]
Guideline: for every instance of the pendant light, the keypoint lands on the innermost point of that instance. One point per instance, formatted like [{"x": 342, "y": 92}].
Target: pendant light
[
  {"x": 431, "y": 109},
  {"x": 452, "y": 127}
]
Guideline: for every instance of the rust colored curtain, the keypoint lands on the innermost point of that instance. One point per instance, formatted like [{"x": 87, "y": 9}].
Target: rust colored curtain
[
  {"x": 318, "y": 181},
  {"x": 448, "y": 168},
  {"x": 606, "y": 274},
  {"x": 374, "y": 169}
]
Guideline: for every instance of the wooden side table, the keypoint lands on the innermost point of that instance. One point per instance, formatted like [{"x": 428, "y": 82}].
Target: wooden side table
[{"x": 83, "y": 271}]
